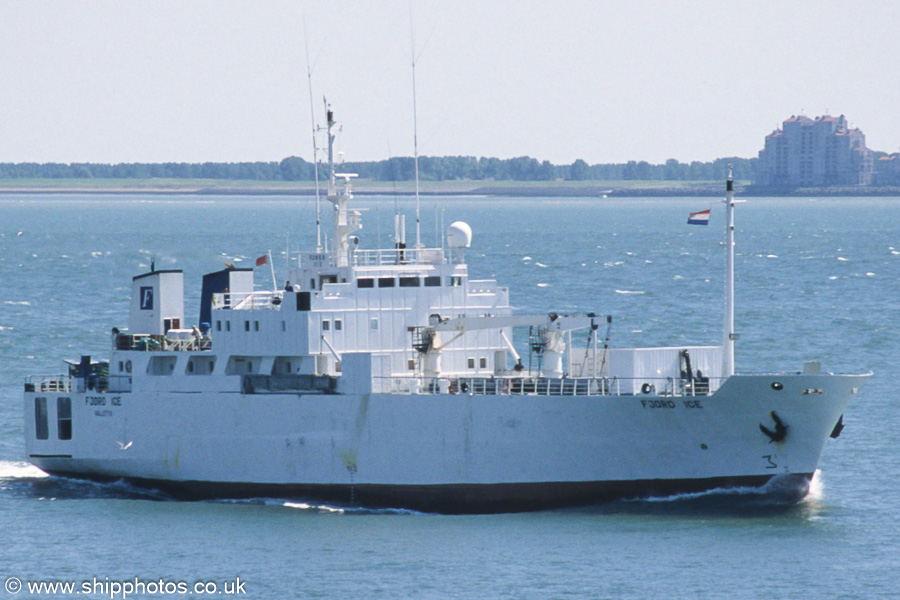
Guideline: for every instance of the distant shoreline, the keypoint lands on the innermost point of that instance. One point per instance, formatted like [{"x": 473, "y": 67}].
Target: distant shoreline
[{"x": 567, "y": 189}]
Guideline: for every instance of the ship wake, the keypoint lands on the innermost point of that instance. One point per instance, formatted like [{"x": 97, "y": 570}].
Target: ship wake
[
  {"x": 312, "y": 507},
  {"x": 784, "y": 495},
  {"x": 780, "y": 489},
  {"x": 24, "y": 480}
]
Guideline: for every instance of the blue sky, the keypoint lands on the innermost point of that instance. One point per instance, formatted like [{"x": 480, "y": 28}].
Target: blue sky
[{"x": 102, "y": 81}]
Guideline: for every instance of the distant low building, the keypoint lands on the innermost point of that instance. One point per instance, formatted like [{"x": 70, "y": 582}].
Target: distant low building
[
  {"x": 815, "y": 152},
  {"x": 887, "y": 170}
]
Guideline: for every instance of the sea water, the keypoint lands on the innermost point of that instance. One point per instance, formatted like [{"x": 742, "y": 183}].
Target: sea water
[{"x": 816, "y": 279}]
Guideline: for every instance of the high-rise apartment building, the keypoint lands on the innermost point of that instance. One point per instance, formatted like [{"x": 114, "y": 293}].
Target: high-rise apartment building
[{"x": 815, "y": 152}]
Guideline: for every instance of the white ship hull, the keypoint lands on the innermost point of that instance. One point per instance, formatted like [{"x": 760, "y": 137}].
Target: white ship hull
[
  {"x": 449, "y": 452},
  {"x": 390, "y": 377}
]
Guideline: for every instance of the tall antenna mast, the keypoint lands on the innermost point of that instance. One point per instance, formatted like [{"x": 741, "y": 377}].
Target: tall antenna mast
[
  {"x": 329, "y": 119},
  {"x": 312, "y": 119},
  {"x": 415, "y": 125},
  {"x": 345, "y": 220}
]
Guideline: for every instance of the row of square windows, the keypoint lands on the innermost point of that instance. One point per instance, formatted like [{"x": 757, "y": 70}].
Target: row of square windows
[
  {"x": 326, "y": 325},
  {"x": 386, "y": 282},
  {"x": 206, "y": 367},
  {"x": 470, "y": 363},
  {"x": 246, "y": 326}
]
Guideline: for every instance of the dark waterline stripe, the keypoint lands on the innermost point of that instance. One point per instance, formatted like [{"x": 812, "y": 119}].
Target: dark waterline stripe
[{"x": 467, "y": 498}]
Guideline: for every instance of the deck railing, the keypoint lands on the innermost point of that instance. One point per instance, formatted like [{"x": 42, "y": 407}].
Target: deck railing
[
  {"x": 145, "y": 342},
  {"x": 248, "y": 301},
  {"x": 544, "y": 386},
  {"x": 398, "y": 256},
  {"x": 477, "y": 386},
  {"x": 69, "y": 384},
  {"x": 48, "y": 383}
]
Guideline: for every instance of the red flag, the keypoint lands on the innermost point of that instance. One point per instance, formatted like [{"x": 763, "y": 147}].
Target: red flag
[{"x": 261, "y": 260}]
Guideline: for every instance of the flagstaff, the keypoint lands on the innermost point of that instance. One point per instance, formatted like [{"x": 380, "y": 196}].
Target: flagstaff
[{"x": 728, "y": 330}]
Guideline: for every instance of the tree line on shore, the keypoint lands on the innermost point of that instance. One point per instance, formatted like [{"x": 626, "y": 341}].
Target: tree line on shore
[{"x": 431, "y": 168}]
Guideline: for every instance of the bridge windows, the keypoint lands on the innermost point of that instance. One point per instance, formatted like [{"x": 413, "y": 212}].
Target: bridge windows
[{"x": 408, "y": 281}]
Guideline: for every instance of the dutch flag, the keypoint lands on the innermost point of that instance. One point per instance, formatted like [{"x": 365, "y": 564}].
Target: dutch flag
[{"x": 699, "y": 218}]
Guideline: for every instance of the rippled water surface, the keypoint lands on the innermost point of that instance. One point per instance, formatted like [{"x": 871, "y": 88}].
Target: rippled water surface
[{"x": 816, "y": 279}]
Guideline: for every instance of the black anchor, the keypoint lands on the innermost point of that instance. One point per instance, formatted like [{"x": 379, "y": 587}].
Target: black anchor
[{"x": 780, "y": 429}]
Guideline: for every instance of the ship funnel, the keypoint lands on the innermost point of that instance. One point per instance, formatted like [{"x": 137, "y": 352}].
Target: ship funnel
[{"x": 157, "y": 302}]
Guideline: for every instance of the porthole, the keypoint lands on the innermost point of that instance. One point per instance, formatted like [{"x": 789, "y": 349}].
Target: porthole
[{"x": 777, "y": 385}]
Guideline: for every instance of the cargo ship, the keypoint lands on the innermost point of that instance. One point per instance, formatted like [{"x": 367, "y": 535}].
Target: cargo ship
[{"x": 390, "y": 377}]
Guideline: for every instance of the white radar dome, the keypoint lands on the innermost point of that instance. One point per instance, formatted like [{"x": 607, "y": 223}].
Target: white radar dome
[{"x": 459, "y": 235}]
